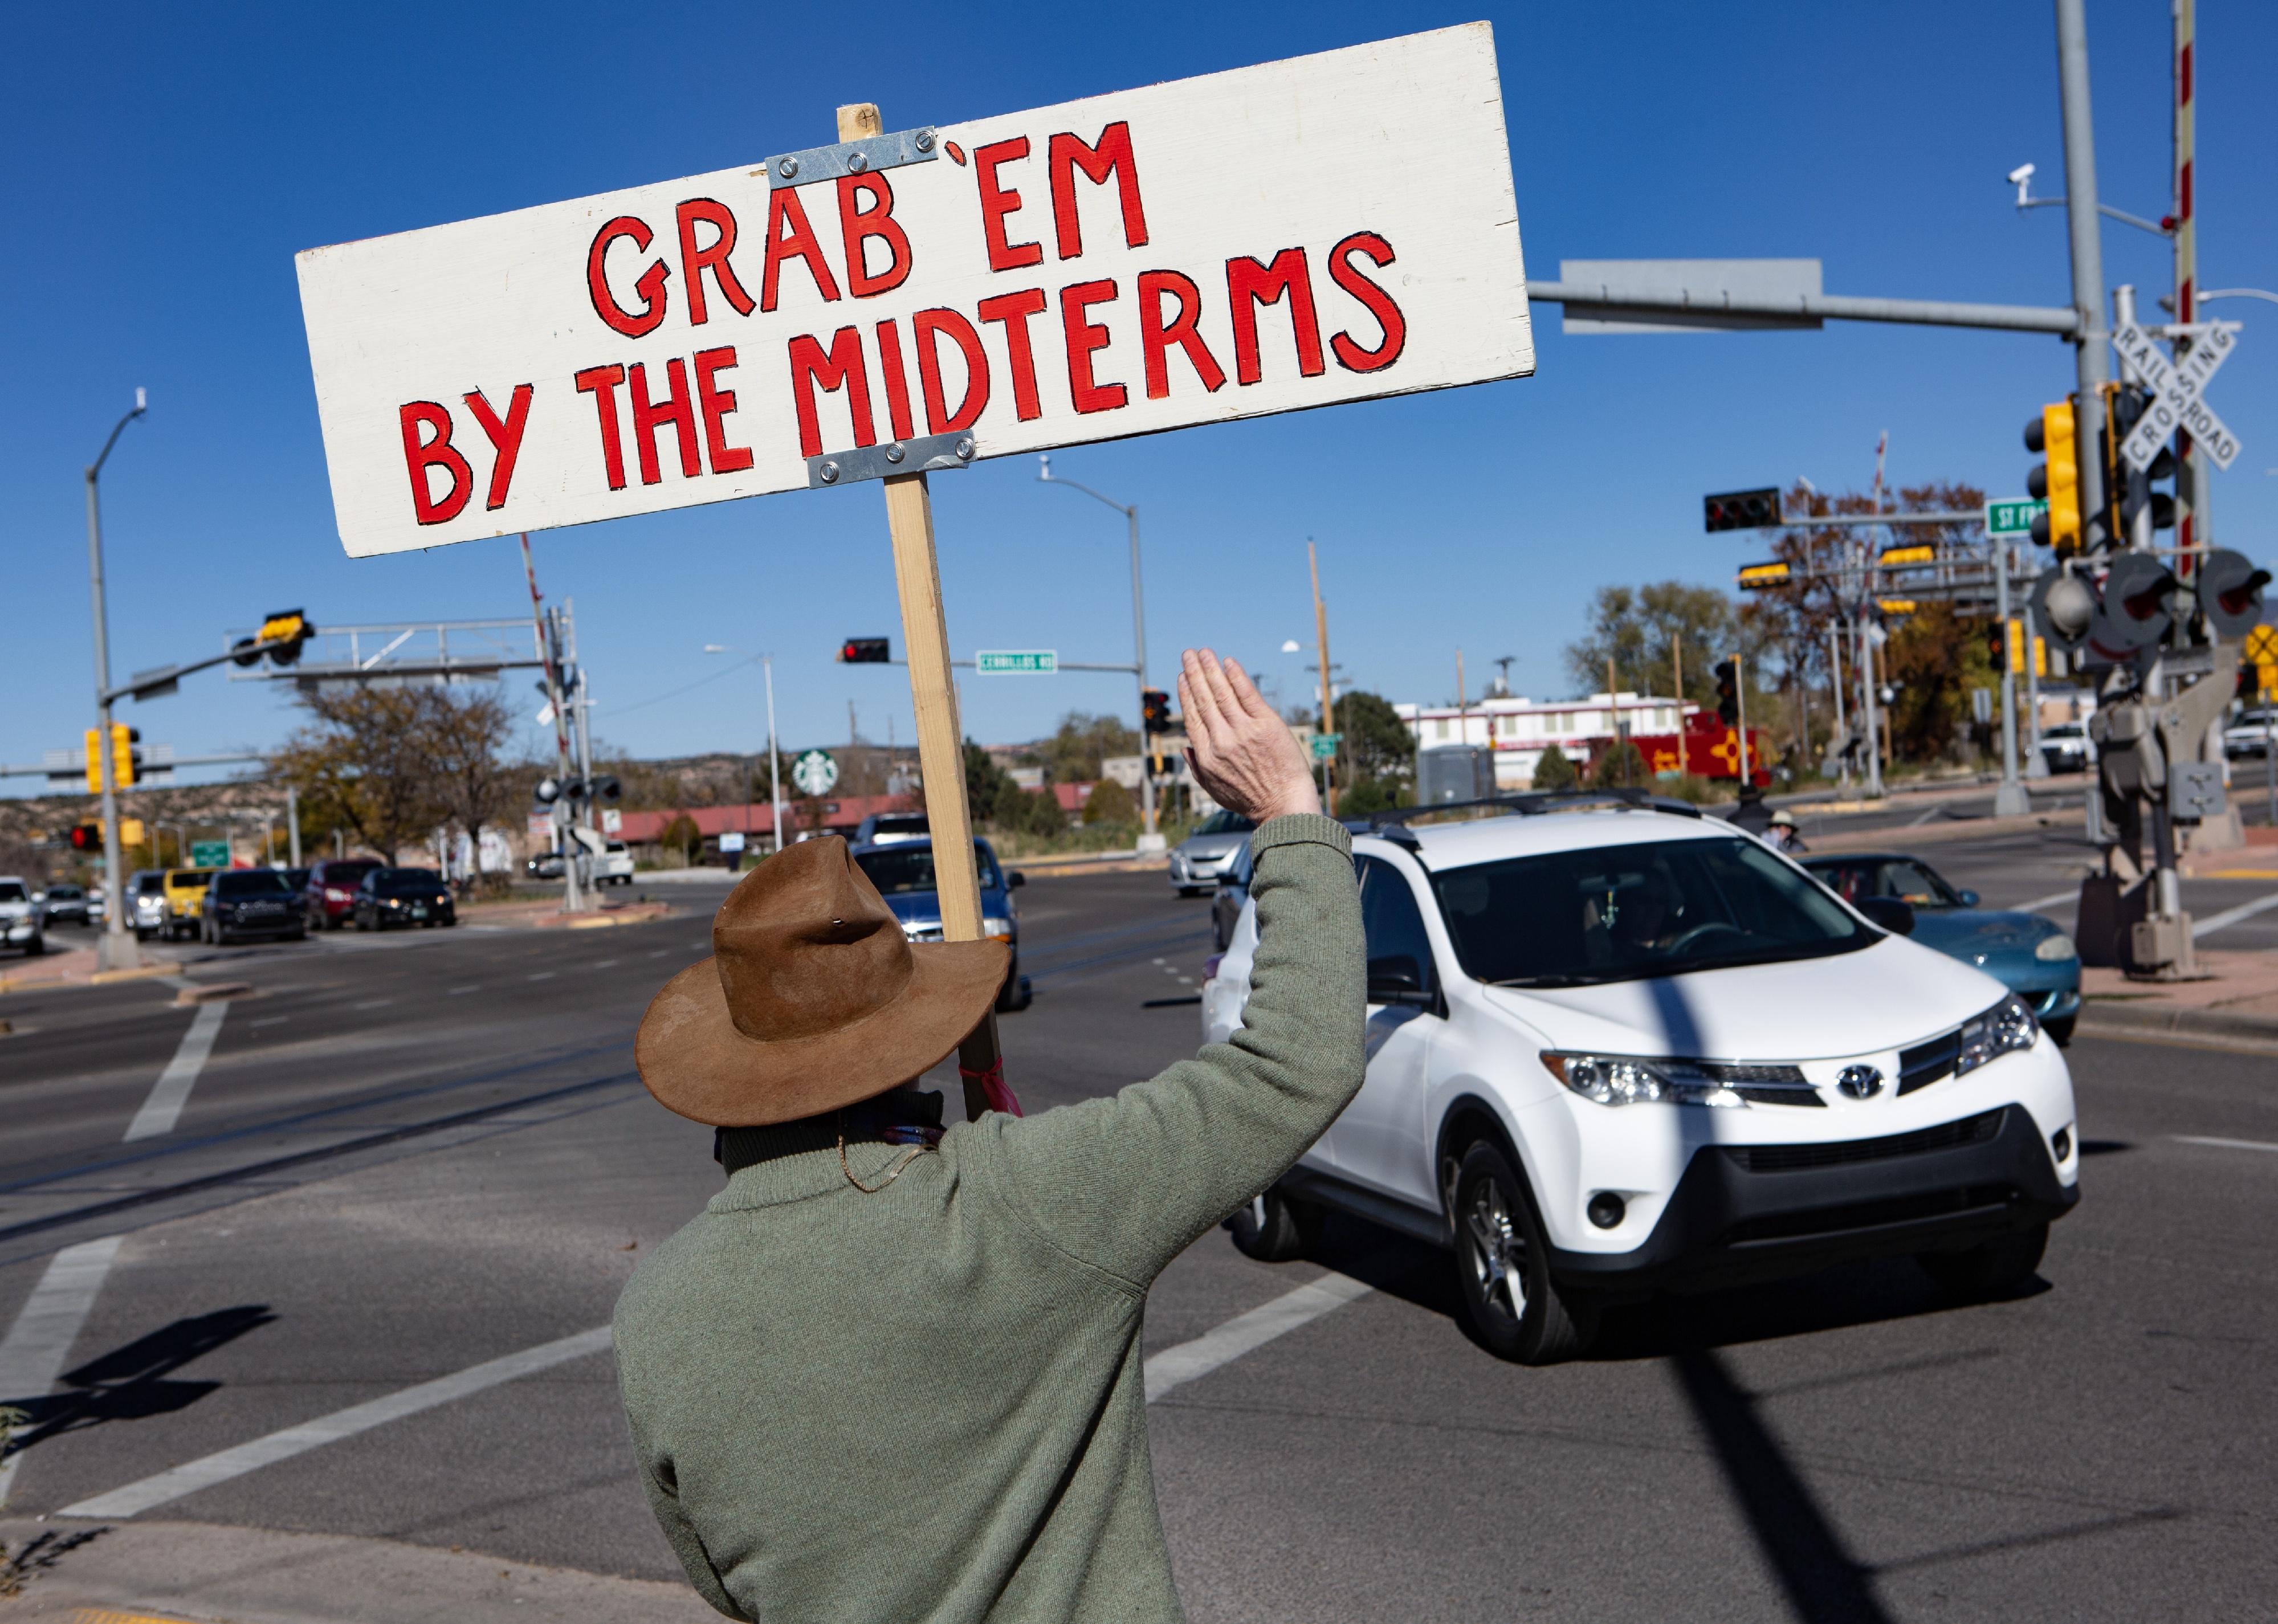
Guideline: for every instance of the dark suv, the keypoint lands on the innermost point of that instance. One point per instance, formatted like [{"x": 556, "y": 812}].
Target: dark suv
[
  {"x": 250, "y": 902},
  {"x": 390, "y": 897},
  {"x": 329, "y": 896}
]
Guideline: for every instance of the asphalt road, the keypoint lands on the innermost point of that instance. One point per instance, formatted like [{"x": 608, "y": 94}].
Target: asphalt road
[{"x": 408, "y": 1156}]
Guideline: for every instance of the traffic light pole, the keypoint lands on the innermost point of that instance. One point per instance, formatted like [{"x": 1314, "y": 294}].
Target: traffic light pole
[
  {"x": 2087, "y": 260},
  {"x": 2010, "y": 800},
  {"x": 118, "y": 949}
]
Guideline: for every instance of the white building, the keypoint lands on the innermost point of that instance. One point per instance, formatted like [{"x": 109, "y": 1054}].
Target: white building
[{"x": 1520, "y": 729}]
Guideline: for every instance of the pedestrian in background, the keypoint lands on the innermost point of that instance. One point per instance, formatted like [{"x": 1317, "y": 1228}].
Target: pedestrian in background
[{"x": 893, "y": 1372}]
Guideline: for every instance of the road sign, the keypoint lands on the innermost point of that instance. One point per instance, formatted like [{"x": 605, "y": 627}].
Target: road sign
[
  {"x": 2177, "y": 392},
  {"x": 2013, "y": 516},
  {"x": 1325, "y": 745},
  {"x": 814, "y": 773},
  {"x": 1323, "y": 229},
  {"x": 1016, "y": 662},
  {"x": 209, "y": 854},
  {"x": 613, "y": 821}
]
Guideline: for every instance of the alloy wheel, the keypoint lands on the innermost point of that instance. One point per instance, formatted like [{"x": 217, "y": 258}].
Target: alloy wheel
[{"x": 1497, "y": 1249}]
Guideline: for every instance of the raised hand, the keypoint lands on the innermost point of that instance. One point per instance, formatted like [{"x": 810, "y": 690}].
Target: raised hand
[{"x": 1242, "y": 753}]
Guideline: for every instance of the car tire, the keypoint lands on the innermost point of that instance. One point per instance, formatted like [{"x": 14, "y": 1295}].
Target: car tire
[
  {"x": 2061, "y": 1031},
  {"x": 1275, "y": 1227},
  {"x": 1992, "y": 1268},
  {"x": 301, "y": 935},
  {"x": 1503, "y": 1268},
  {"x": 36, "y": 946},
  {"x": 448, "y": 923}
]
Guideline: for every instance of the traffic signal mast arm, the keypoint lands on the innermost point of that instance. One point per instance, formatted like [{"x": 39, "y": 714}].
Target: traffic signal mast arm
[{"x": 293, "y": 629}]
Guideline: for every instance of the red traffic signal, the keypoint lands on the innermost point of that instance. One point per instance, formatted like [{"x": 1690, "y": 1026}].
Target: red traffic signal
[
  {"x": 865, "y": 651},
  {"x": 87, "y": 837},
  {"x": 1742, "y": 510},
  {"x": 1154, "y": 711},
  {"x": 1728, "y": 691}
]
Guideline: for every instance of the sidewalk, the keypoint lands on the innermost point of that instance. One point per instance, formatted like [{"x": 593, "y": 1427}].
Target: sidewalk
[
  {"x": 2237, "y": 1007},
  {"x": 189, "y": 1573},
  {"x": 547, "y": 915}
]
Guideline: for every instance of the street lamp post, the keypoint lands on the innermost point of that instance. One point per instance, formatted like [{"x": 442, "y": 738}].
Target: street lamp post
[
  {"x": 775, "y": 767},
  {"x": 118, "y": 949},
  {"x": 1151, "y": 840}
]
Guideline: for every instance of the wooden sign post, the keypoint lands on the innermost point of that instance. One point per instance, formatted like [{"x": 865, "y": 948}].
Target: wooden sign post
[{"x": 933, "y": 695}]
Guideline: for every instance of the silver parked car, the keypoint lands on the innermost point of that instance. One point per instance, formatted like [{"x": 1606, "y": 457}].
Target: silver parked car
[
  {"x": 1198, "y": 860},
  {"x": 2249, "y": 733}
]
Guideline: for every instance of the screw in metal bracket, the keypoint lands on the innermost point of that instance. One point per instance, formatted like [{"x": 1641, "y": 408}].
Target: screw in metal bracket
[
  {"x": 829, "y": 472},
  {"x": 924, "y": 142},
  {"x": 965, "y": 450},
  {"x": 787, "y": 168},
  {"x": 894, "y": 453},
  {"x": 856, "y": 163}
]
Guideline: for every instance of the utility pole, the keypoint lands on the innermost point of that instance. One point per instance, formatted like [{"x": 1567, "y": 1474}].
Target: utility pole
[
  {"x": 2087, "y": 264},
  {"x": 1740, "y": 702},
  {"x": 293, "y": 822},
  {"x": 119, "y": 948},
  {"x": 1329, "y": 701},
  {"x": 775, "y": 767},
  {"x": 1835, "y": 688}
]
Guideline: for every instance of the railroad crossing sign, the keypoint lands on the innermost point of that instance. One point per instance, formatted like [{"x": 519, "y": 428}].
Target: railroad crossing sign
[
  {"x": 2012, "y": 516},
  {"x": 2262, "y": 654},
  {"x": 1017, "y": 662},
  {"x": 815, "y": 772},
  {"x": 2177, "y": 386}
]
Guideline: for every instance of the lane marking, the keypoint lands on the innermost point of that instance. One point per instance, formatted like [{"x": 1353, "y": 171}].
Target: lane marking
[
  {"x": 173, "y": 1484},
  {"x": 2233, "y": 916},
  {"x": 48, "y": 1322},
  {"x": 372, "y": 1004},
  {"x": 475, "y": 986},
  {"x": 2223, "y": 1144},
  {"x": 660, "y": 952},
  {"x": 2051, "y": 901},
  {"x": 1175, "y": 1367},
  {"x": 542, "y": 975},
  {"x": 601, "y": 965},
  {"x": 271, "y": 1020},
  {"x": 172, "y": 1091}
]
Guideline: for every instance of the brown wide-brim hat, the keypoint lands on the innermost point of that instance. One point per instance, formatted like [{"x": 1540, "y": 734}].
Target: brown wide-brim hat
[{"x": 812, "y": 998}]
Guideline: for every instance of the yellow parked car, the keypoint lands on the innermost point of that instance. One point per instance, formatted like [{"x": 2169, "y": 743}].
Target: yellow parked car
[{"x": 186, "y": 898}]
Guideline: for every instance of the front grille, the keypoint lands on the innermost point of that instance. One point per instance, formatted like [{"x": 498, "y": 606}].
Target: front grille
[
  {"x": 1871, "y": 1215},
  {"x": 1763, "y": 1084},
  {"x": 1795, "y": 1158},
  {"x": 1929, "y": 1063}
]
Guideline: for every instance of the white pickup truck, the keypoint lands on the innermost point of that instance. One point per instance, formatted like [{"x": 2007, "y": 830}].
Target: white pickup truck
[{"x": 610, "y": 863}]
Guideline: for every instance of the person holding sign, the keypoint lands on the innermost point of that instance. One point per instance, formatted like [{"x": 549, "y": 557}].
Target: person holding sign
[{"x": 893, "y": 1372}]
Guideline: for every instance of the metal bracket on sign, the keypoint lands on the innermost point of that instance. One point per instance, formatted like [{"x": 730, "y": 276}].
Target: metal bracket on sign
[
  {"x": 912, "y": 456},
  {"x": 853, "y": 158}
]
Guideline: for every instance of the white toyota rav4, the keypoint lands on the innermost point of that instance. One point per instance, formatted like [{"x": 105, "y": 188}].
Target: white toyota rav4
[{"x": 1616, "y": 1048}]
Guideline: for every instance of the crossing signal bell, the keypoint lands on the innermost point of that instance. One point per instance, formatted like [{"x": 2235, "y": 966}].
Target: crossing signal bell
[
  {"x": 2056, "y": 481},
  {"x": 1728, "y": 692},
  {"x": 865, "y": 651}
]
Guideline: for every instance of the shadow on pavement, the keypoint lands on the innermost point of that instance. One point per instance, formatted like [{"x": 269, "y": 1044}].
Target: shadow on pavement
[{"x": 132, "y": 1382}]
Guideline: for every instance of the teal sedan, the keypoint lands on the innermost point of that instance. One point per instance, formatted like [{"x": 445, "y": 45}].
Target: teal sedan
[{"x": 2026, "y": 953}]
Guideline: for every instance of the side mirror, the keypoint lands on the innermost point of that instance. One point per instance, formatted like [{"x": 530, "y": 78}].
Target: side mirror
[
  {"x": 1969, "y": 898},
  {"x": 1891, "y": 913},
  {"x": 1015, "y": 879},
  {"x": 1396, "y": 979}
]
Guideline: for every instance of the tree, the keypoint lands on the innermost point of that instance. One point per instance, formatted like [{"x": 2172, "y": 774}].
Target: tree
[
  {"x": 986, "y": 786},
  {"x": 1041, "y": 812},
  {"x": 1933, "y": 660},
  {"x": 1368, "y": 796},
  {"x": 1073, "y": 755},
  {"x": 682, "y": 836},
  {"x": 364, "y": 763},
  {"x": 1110, "y": 802},
  {"x": 1621, "y": 766},
  {"x": 1377, "y": 744},
  {"x": 1644, "y": 630},
  {"x": 1553, "y": 771},
  {"x": 473, "y": 784}
]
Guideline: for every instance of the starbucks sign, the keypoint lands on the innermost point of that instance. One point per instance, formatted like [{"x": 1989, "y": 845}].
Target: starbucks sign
[{"x": 814, "y": 773}]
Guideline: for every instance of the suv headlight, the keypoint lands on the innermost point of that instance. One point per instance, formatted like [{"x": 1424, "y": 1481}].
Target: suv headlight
[
  {"x": 1627, "y": 1079},
  {"x": 2009, "y": 1025},
  {"x": 997, "y": 927},
  {"x": 2056, "y": 948}
]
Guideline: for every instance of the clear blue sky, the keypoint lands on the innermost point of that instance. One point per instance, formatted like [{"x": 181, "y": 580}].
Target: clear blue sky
[{"x": 167, "y": 162}]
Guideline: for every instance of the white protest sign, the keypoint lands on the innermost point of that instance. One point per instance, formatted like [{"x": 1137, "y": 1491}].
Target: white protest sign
[
  {"x": 1325, "y": 229},
  {"x": 2178, "y": 398}
]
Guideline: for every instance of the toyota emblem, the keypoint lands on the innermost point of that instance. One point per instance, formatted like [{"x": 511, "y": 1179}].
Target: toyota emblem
[{"x": 1859, "y": 1082}]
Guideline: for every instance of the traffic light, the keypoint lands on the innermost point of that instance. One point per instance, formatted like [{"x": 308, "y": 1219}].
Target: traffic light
[
  {"x": 126, "y": 754},
  {"x": 1742, "y": 510},
  {"x": 87, "y": 837},
  {"x": 1757, "y": 577},
  {"x": 1155, "y": 711},
  {"x": 93, "y": 765},
  {"x": 2057, "y": 481},
  {"x": 1997, "y": 647},
  {"x": 2127, "y": 490},
  {"x": 865, "y": 651},
  {"x": 2014, "y": 649},
  {"x": 283, "y": 630},
  {"x": 1728, "y": 691}
]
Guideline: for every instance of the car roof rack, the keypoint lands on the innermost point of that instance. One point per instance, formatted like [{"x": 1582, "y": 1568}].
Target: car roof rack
[{"x": 1392, "y": 823}]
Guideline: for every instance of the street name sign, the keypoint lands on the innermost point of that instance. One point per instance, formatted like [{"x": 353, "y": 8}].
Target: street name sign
[
  {"x": 2177, "y": 392},
  {"x": 814, "y": 773},
  {"x": 1017, "y": 662},
  {"x": 1323, "y": 229},
  {"x": 2011, "y": 517},
  {"x": 1325, "y": 745}
]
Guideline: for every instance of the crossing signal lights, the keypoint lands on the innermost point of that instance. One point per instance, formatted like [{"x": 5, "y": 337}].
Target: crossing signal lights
[
  {"x": 1742, "y": 510},
  {"x": 865, "y": 651},
  {"x": 87, "y": 837},
  {"x": 1757, "y": 577},
  {"x": 2055, "y": 436},
  {"x": 280, "y": 638},
  {"x": 1895, "y": 606},
  {"x": 1728, "y": 691},
  {"x": 1155, "y": 711},
  {"x": 1893, "y": 558}
]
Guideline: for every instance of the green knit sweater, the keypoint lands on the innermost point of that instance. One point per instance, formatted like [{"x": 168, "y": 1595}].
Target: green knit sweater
[{"x": 926, "y": 1404}]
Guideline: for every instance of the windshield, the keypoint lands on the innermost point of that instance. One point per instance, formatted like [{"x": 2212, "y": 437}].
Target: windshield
[
  {"x": 250, "y": 882},
  {"x": 1572, "y": 918},
  {"x": 146, "y": 884},
  {"x": 1224, "y": 822},
  {"x": 190, "y": 880},
  {"x": 13, "y": 891},
  {"x": 1911, "y": 882},
  {"x": 397, "y": 880},
  {"x": 899, "y": 869},
  {"x": 347, "y": 873}
]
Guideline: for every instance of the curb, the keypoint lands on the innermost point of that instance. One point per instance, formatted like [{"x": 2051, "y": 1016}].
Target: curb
[
  {"x": 213, "y": 992},
  {"x": 2258, "y": 1033}
]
